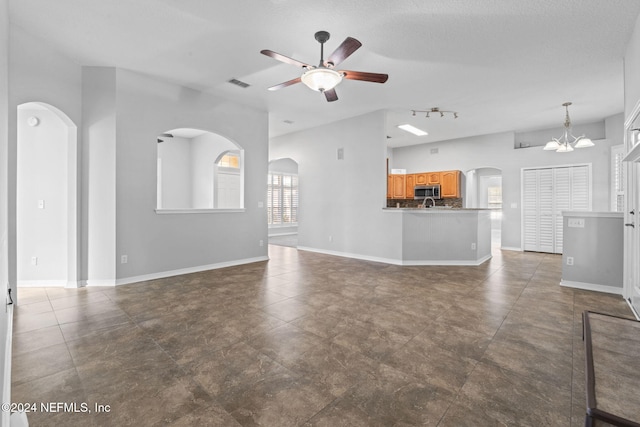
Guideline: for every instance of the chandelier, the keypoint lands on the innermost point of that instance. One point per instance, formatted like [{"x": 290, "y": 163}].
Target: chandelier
[
  {"x": 435, "y": 110},
  {"x": 563, "y": 144}
]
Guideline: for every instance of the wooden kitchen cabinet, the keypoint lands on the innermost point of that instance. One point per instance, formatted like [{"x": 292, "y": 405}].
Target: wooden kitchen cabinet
[
  {"x": 401, "y": 186},
  {"x": 421, "y": 178},
  {"x": 450, "y": 184},
  {"x": 433, "y": 178},
  {"x": 398, "y": 187},
  {"x": 410, "y": 182}
]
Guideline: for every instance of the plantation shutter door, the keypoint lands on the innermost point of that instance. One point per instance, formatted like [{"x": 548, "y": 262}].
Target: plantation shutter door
[
  {"x": 546, "y": 193},
  {"x": 529, "y": 209},
  {"x": 545, "y": 209},
  {"x": 562, "y": 202},
  {"x": 580, "y": 189}
]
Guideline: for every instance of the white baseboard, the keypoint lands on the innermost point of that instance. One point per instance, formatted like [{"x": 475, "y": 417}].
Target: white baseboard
[
  {"x": 107, "y": 282},
  {"x": 170, "y": 273},
  {"x": 6, "y": 375},
  {"x": 449, "y": 262},
  {"x": 350, "y": 255},
  {"x": 43, "y": 284},
  {"x": 394, "y": 261},
  {"x": 511, "y": 248},
  {"x": 592, "y": 287}
]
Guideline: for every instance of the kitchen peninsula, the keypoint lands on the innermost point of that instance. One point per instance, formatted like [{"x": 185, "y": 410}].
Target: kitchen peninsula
[{"x": 441, "y": 236}]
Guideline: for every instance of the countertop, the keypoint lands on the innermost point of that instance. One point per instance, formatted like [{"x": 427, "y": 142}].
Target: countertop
[{"x": 436, "y": 209}]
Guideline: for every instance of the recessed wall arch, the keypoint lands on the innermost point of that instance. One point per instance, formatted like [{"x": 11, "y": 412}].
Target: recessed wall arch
[
  {"x": 46, "y": 197},
  {"x": 190, "y": 177}
]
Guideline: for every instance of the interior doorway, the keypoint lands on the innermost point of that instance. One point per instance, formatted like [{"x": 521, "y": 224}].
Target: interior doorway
[
  {"x": 484, "y": 190},
  {"x": 282, "y": 202},
  {"x": 46, "y": 197}
]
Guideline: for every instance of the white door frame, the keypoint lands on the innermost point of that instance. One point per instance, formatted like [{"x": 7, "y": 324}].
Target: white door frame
[{"x": 631, "y": 278}]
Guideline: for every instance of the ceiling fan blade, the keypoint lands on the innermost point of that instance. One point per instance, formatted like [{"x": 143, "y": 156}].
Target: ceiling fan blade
[
  {"x": 283, "y": 58},
  {"x": 331, "y": 95},
  {"x": 348, "y": 46},
  {"x": 367, "y": 77},
  {"x": 285, "y": 84}
]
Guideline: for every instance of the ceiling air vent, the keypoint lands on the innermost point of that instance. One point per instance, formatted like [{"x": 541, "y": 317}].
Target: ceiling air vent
[
  {"x": 289, "y": 122},
  {"x": 239, "y": 83}
]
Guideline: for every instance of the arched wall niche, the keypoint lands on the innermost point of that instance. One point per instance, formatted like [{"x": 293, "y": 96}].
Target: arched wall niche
[{"x": 198, "y": 170}]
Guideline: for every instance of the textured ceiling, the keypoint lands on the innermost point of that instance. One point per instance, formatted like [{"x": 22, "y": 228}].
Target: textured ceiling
[{"x": 504, "y": 65}]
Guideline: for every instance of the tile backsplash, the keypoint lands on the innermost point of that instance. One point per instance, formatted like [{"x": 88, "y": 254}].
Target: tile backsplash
[{"x": 408, "y": 203}]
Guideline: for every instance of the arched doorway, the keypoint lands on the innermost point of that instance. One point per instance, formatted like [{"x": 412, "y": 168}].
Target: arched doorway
[
  {"x": 484, "y": 190},
  {"x": 46, "y": 197}
]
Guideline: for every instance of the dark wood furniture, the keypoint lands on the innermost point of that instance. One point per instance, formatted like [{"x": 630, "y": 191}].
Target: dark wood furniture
[{"x": 612, "y": 369}]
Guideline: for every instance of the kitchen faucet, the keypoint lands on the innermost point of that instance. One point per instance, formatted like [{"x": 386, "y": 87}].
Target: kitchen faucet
[{"x": 424, "y": 202}]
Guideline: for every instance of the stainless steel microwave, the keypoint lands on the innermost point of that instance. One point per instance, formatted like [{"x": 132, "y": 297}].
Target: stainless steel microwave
[{"x": 422, "y": 191}]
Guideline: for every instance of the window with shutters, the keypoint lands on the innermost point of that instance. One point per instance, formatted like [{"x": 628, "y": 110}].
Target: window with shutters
[
  {"x": 282, "y": 199},
  {"x": 617, "y": 178},
  {"x": 494, "y": 195}
]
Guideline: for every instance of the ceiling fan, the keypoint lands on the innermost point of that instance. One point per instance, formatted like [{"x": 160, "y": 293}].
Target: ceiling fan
[{"x": 324, "y": 78}]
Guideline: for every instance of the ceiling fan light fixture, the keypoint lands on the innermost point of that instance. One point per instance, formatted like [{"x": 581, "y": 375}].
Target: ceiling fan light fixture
[{"x": 321, "y": 79}]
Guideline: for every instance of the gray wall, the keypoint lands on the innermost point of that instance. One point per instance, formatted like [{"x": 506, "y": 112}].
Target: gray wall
[
  {"x": 341, "y": 200},
  {"x": 166, "y": 242},
  {"x": 119, "y": 115},
  {"x": 497, "y": 151},
  {"x": 596, "y": 250}
]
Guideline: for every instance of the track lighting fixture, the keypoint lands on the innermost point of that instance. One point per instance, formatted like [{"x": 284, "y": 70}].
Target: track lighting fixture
[{"x": 435, "y": 110}]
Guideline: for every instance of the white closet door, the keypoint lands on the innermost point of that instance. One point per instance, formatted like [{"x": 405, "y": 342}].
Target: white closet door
[
  {"x": 562, "y": 202},
  {"x": 580, "y": 188},
  {"x": 546, "y": 193},
  {"x": 530, "y": 209},
  {"x": 546, "y": 233}
]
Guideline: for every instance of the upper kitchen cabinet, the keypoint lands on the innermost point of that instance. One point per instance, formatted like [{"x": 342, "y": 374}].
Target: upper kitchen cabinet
[
  {"x": 433, "y": 178},
  {"x": 410, "y": 182},
  {"x": 389, "y": 186},
  {"x": 422, "y": 178},
  {"x": 450, "y": 184},
  {"x": 398, "y": 186}
]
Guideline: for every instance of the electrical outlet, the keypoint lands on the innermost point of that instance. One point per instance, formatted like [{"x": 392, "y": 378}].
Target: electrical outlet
[
  {"x": 473, "y": 246},
  {"x": 34, "y": 260},
  {"x": 331, "y": 238},
  {"x": 575, "y": 222},
  {"x": 124, "y": 259},
  {"x": 261, "y": 242},
  {"x": 569, "y": 260}
]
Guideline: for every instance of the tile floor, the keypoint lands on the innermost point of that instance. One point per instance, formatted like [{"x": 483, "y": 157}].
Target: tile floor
[{"x": 313, "y": 340}]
